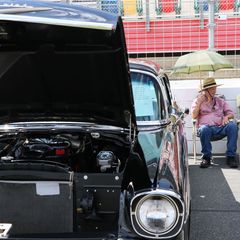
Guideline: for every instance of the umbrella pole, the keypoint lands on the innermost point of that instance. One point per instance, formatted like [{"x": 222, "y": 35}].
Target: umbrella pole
[
  {"x": 200, "y": 78},
  {"x": 210, "y": 74}
]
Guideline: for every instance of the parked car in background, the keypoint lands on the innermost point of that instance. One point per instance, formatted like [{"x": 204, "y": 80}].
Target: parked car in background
[{"x": 89, "y": 147}]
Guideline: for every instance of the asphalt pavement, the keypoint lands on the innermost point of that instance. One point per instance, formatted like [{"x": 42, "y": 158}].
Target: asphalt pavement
[{"x": 215, "y": 193}]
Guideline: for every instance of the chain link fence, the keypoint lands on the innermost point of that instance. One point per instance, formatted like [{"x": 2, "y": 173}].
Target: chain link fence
[
  {"x": 163, "y": 30},
  {"x": 160, "y": 8}
]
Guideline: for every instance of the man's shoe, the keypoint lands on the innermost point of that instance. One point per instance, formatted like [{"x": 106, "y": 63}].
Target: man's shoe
[
  {"x": 232, "y": 162},
  {"x": 206, "y": 162}
]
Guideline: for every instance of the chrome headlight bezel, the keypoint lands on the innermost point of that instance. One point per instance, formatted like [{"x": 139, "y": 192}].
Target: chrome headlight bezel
[
  {"x": 146, "y": 200},
  {"x": 173, "y": 202}
]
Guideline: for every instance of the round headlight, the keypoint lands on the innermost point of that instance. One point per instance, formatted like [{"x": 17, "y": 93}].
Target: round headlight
[{"x": 156, "y": 214}]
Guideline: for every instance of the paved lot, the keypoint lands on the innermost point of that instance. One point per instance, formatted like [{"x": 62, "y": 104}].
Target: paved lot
[{"x": 215, "y": 201}]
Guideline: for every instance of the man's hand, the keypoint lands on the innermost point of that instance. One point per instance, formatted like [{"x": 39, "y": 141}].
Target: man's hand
[
  {"x": 201, "y": 98},
  {"x": 225, "y": 120}
]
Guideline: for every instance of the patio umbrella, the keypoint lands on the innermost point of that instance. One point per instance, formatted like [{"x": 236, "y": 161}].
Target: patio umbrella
[{"x": 200, "y": 61}]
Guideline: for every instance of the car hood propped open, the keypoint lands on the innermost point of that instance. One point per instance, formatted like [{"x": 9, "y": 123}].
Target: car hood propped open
[{"x": 54, "y": 68}]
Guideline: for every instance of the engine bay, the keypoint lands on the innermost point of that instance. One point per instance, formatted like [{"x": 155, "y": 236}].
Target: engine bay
[{"x": 92, "y": 152}]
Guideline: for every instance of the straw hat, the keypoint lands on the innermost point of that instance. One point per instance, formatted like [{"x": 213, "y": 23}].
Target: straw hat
[{"x": 208, "y": 83}]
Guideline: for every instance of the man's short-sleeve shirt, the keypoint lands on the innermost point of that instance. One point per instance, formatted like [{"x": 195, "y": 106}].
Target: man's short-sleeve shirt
[{"x": 212, "y": 113}]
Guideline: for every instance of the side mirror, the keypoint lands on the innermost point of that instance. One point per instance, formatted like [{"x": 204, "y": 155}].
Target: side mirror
[{"x": 175, "y": 117}]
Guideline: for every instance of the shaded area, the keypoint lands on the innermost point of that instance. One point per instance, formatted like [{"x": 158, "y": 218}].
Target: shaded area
[{"x": 215, "y": 209}]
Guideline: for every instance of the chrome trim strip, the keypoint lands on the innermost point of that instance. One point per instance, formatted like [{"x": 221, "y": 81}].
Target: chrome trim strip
[
  {"x": 57, "y": 125},
  {"x": 14, "y": 10},
  {"x": 149, "y": 122},
  {"x": 166, "y": 194},
  {"x": 153, "y": 122},
  {"x": 57, "y": 22},
  {"x": 188, "y": 201}
]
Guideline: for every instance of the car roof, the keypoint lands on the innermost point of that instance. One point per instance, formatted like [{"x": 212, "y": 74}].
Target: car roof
[{"x": 146, "y": 65}]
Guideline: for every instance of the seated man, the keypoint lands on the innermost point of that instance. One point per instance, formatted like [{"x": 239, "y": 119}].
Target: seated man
[{"x": 213, "y": 115}]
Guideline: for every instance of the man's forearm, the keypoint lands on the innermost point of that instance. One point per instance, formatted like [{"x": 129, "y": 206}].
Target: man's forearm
[
  {"x": 197, "y": 106},
  {"x": 195, "y": 111}
]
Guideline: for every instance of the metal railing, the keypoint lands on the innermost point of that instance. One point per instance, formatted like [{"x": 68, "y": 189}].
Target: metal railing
[
  {"x": 164, "y": 30},
  {"x": 161, "y": 8}
]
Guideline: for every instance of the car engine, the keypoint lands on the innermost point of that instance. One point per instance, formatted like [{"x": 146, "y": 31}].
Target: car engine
[{"x": 79, "y": 152}]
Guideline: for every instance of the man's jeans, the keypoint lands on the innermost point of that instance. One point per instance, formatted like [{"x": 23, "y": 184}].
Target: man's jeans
[{"x": 230, "y": 130}]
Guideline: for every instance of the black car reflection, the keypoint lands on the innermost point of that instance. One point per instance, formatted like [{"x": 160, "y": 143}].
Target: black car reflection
[{"x": 90, "y": 147}]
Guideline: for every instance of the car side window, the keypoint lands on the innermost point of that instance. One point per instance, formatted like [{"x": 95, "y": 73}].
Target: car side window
[{"x": 147, "y": 98}]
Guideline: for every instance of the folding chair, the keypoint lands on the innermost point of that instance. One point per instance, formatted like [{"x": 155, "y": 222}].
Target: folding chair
[{"x": 214, "y": 138}]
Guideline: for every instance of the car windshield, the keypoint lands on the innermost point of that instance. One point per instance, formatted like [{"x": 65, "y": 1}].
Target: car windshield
[{"x": 145, "y": 97}]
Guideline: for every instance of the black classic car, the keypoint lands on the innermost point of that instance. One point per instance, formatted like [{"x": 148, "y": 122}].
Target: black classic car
[{"x": 90, "y": 145}]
